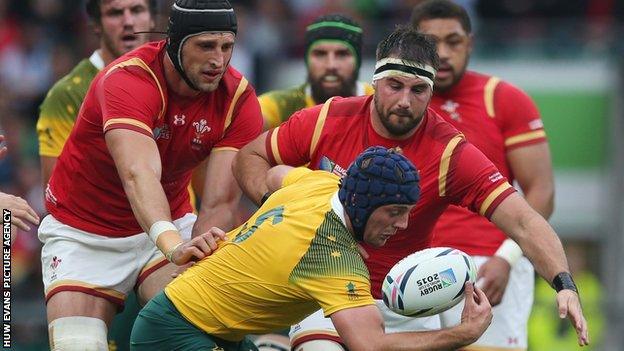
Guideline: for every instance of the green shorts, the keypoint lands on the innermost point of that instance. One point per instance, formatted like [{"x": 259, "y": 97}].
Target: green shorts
[{"x": 159, "y": 326}]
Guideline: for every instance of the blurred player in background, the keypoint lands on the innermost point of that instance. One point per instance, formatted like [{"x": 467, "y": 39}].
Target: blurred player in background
[
  {"x": 333, "y": 56},
  {"x": 309, "y": 227},
  {"x": 452, "y": 171},
  {"x": 504, "y": 123},
  {"x": 117, "y": 198},
  {"x": 115, "y": 22}
]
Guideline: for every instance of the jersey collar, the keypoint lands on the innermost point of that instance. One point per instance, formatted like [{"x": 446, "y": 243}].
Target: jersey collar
[
  {"x": 337, "y": 207},
  {"x": 96, "y": 60}
]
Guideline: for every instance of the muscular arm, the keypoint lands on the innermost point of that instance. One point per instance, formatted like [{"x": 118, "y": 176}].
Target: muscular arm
[
  {"x": 532, "y": 168},
  {"x": 362, "y": 328},
  {"x": 221, "y": 194},
  {"x": 138, "y": 163},
  {"x": 537, "y": 239},
  {"x": 250, "y": 168}
]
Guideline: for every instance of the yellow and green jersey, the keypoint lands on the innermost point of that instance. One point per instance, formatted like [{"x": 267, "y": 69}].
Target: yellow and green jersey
[
  {"x": 57, "y": 113},
  {"x": 278, "y": 105},
  {"x": 292, "y": 257}
]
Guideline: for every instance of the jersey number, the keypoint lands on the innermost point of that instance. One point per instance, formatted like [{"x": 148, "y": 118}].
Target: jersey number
[{"x": 277, "y": 214}]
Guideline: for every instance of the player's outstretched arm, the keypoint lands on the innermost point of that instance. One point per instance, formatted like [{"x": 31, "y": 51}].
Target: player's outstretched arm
[
  {"x": 542, "y": 246},
  {"x": 221, "y": 196},
  {"x": 250, "y": 168},
  {"x": 362, "y": 328}
]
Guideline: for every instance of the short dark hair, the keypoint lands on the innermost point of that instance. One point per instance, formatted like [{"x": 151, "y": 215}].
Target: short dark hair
[
  {"x": 408, "y": 44},
  {"x": 93, "y": 9},
  {"x": 433, "y": 9}
]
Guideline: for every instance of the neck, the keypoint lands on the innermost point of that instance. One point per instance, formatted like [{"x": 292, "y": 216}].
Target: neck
[
  {"x": 380, "y": 129},
  {"x": 107, "y": 56},
  {"x": 175, "y": 81}
]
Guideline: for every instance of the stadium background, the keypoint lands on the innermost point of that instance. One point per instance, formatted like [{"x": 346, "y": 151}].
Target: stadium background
[{"x": 564, "y": 53}]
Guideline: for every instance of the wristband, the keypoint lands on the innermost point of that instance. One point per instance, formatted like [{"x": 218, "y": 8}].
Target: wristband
[
  {"x": 509, "y": 251},
  {"x": 165, "y": 236},
  {"x": 564, "y": 281},
  {"x": 160, "y": 227},
  {"x": 169, "y": 253},
  {"x": 265, "y": 197}
]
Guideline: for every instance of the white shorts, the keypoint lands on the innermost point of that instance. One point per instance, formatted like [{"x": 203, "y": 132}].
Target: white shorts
[
  {"x": 508, "y": 330},
  {"x": 75, "y": 260},
  {"x": 316, "y": 326}
]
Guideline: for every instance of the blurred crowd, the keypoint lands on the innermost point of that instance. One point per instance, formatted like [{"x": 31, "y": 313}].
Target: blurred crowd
[{"x": 41, "y": 40}]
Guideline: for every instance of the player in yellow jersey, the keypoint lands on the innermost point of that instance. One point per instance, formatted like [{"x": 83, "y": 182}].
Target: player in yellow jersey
[
  {"x": 311, "y": 228},
  {"x": 333, "y": 56}
]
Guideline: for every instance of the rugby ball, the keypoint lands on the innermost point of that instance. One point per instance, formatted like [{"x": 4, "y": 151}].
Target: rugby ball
[{"x": 428, "y": 282}]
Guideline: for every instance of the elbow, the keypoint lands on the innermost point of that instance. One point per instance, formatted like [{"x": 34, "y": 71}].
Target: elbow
[{"x": 133, "y": 173}]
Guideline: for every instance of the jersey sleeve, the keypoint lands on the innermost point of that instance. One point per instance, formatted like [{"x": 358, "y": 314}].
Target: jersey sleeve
[
  {"x": 131, "y": 98},
  {"x": 245, "y": 122},
  {"x": 270, "y": 110},
  {"x": 519, "y": 117},
  {"x": 57, "y": 116},
  {"x": 471, "y": 179},
  {"x": 335, "y": 293},
  {"x": 294, "y": 175},
  {"x": 290, "y": 143}
]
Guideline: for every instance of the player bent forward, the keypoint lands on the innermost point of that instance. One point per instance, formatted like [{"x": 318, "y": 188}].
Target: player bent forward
[{"x": 309, "y": 226}]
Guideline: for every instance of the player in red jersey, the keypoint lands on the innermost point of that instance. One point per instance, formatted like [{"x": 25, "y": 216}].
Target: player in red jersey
[
  {"x": 452, "y": 171},
  {"x": 148, "y": 120},
  {"x": 502, "y": 122}
]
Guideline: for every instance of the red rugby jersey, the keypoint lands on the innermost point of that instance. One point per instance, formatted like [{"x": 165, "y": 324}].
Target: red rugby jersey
[
  {"x": 452, "y": 171},
  {"x": 131, "y": 93},
  {"x": 495, "y": 117}
]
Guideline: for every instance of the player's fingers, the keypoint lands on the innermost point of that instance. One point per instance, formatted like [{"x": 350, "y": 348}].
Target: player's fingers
[
  {"x": 26, "y": 207},
  {"x": 18, "y": 223},
  {"x": 201, "y": 244},
  {"x": 211, "y": 241},
  {"x": 563, "y": 308},
  {"x": 483, "y": 300},
  {"x": 193, "y": 251},
  {"x": 469, "y": 293},
  {"x": 217, "y": 232},
  {"x": 26, "y": 216}
]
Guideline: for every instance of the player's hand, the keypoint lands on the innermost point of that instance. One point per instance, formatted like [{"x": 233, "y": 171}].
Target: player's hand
[
  {"x": 180, "y": 269},
  {"x": 21, "y": 212},
  {"x": 198, "y": 247},
  {"x": 569, "y": 306},
  {"x": 3, "y": 150},
  {"x": 493, "y": 277},
  {"x": 477, "y": 314}
]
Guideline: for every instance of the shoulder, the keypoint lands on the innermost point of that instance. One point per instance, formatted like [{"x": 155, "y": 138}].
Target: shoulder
[
  {"x": 349, "y": 106},
  {"x": 72, "y": 88},
  {"x": 438, "y": 129},
  {"x": 286, "y": 96}
]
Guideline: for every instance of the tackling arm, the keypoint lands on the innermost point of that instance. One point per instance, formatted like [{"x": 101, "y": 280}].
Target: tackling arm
[
  {"x": 221, "y": 194},
  {"x": 362, "y": 328},
  {"x": 250, "y": 168}
]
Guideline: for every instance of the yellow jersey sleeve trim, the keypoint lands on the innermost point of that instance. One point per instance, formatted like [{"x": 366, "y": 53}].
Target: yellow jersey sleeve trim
[
  {"x": 294, "y": 175},
  {"x": 493, "y": 195},
  {"x": 270, "y": 111},
  {"x": 129, "y": 121},
  {"x": 525, "y": 137},
  {"x": 242, "y": 85},
  {"x": 138, "y": 62},
  {"x": 223, "y": 148},
  {"x": 275, "y": 147},
  {"x": 488, "y": 95},
  {"x": 320, "y": 122},
  {"x": 445, "y": 162}
]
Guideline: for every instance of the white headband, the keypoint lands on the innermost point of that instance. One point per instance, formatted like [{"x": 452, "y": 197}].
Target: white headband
[{"x": 391, "y": 66}]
